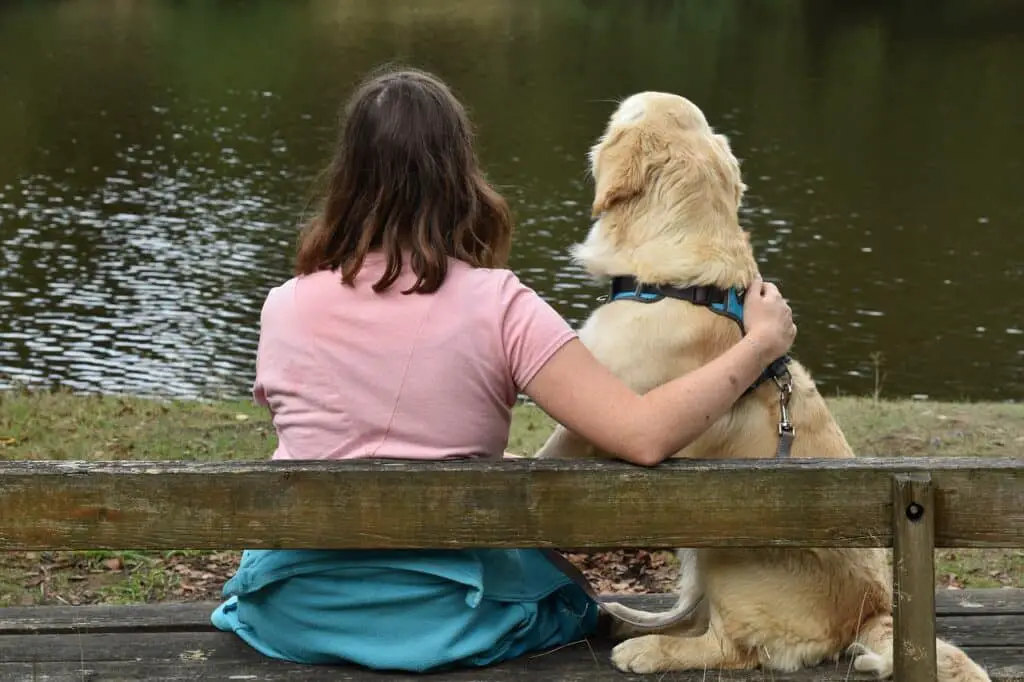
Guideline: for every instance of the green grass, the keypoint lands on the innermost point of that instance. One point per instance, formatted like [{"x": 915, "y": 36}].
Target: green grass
[{"x": 60, "y": 425}]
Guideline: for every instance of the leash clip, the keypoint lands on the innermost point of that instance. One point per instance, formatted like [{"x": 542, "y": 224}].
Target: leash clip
[{"x": 786, "y": 431}]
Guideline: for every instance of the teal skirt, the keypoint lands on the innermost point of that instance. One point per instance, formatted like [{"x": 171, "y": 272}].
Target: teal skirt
[{"x": 411, "y": 610}]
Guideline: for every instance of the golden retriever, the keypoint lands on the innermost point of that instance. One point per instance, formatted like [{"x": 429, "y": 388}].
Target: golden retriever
[{"x": 667, "y": 195}]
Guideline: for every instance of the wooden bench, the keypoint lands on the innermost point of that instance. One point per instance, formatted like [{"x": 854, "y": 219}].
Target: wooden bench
[{"x": 911, "y": 505}]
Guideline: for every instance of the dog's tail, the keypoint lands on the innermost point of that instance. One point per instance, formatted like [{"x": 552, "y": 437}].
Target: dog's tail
[
  {"x": 874, "y": 649},
  {"x": 684, "y": 616},
  {"x": 690, "y": 615},
  {"x": 691, "y": 612}
]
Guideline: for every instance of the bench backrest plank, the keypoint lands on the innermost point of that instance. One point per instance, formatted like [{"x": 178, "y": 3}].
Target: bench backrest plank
[{"x": 979, "y": 502}]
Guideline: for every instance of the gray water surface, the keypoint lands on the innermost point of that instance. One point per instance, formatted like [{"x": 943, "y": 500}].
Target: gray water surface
[{"x": 156, "y": 155}]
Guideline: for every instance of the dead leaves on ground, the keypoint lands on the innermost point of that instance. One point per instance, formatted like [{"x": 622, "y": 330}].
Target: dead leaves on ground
[
  {"x": 627, "y": 571},
  {"x": 74, "y": 578}
]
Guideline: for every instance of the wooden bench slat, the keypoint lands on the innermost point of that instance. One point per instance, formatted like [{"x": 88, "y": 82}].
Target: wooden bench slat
[
  {"x": 176, "y": 642},
  {"x": 990, "y": 631},
  {"x": 577, "y": 663},
  {"x": 193, "y": 616},
  {"x": 208, "y": 644},
  {"x": 732, "y": 503},
  {"x": 157, "y": 617},
  {"x": 126, "y": 646}
]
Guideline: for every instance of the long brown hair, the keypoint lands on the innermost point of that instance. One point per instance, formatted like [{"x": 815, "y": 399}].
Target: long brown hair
[{"x": 405, "y": 177}]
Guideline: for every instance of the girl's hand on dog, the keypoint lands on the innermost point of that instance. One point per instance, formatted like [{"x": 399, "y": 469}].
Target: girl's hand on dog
[{"x": 768, "y": 319}]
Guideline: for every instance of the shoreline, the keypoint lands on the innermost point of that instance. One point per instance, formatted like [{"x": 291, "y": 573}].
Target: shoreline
[{"x": 67, "y": 426}]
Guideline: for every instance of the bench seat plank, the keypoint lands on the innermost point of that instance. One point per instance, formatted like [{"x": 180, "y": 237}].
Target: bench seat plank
[
  {"x": 973, "y": 632},
  {"x": 177, "y": 642},
  {"x": 570, "y": 664},
  {"x": 187, "y": 616}
]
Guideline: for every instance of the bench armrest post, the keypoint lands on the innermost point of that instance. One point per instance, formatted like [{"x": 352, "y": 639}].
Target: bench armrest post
[{"x": 913, "y": 565}]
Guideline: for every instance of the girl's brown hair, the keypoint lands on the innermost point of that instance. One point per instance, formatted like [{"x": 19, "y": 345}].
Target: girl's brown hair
[{"x": 405, "y": 177}]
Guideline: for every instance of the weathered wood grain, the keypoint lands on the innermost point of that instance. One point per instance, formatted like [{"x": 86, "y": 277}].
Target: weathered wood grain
[
  {"x": 956, "y": 610},
  {"x": 559, "y": 667},
  {"x": 203, "y": 641},
  {"x": 126, "y": 646},
  {"x": 735, "y": 503},
  {"x": 914, "y": 657},
  {"x": 176, "y": 642},
  {"x": 584, "y": 662},
  {"x": 986, "y": 631}
]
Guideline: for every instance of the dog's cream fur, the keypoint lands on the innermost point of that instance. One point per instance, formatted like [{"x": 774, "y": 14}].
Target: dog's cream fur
[{"x": 667, "y": 194}]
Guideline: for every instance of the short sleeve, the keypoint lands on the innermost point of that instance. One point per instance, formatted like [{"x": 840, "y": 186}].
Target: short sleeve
[
  {"x": 273, "y": 320},
  {"x": 531, "y": 330}
]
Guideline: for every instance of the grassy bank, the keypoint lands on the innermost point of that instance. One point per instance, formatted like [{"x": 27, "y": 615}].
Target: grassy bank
[{"x": 61, "y": 426}]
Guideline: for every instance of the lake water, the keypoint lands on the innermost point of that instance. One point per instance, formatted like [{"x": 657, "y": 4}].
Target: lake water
[{"x": 156, "y": 155}]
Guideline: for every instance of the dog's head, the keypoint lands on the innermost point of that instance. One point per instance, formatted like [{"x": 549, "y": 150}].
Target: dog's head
[
  {"x": 661, "y": 143},
  {"x": 663, "y": 177}
]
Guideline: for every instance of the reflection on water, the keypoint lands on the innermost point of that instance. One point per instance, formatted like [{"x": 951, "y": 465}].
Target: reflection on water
[{"x": 155, "y": 157}]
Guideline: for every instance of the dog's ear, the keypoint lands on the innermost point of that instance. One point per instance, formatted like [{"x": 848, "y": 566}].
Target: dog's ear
[{"x": 619, "y": 170}]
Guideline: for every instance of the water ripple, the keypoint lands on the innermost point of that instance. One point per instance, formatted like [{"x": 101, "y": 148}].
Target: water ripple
[
  {"x": 149, "y": 282},
  {"x": 143, "y": 224}
]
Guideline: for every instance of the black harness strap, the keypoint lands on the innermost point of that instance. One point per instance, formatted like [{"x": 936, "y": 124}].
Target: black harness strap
[
  {"x": 628, "y": 287},
  {"x": 727, "y": 302}
]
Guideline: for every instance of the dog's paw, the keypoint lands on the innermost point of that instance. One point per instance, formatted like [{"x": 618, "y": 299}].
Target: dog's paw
[
  {"x": 641, "y": 655},
  {"x": 865, "y": 661}
]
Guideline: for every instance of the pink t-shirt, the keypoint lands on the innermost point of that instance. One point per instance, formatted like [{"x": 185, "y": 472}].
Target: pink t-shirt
[{"x": 349, "y": 373}]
